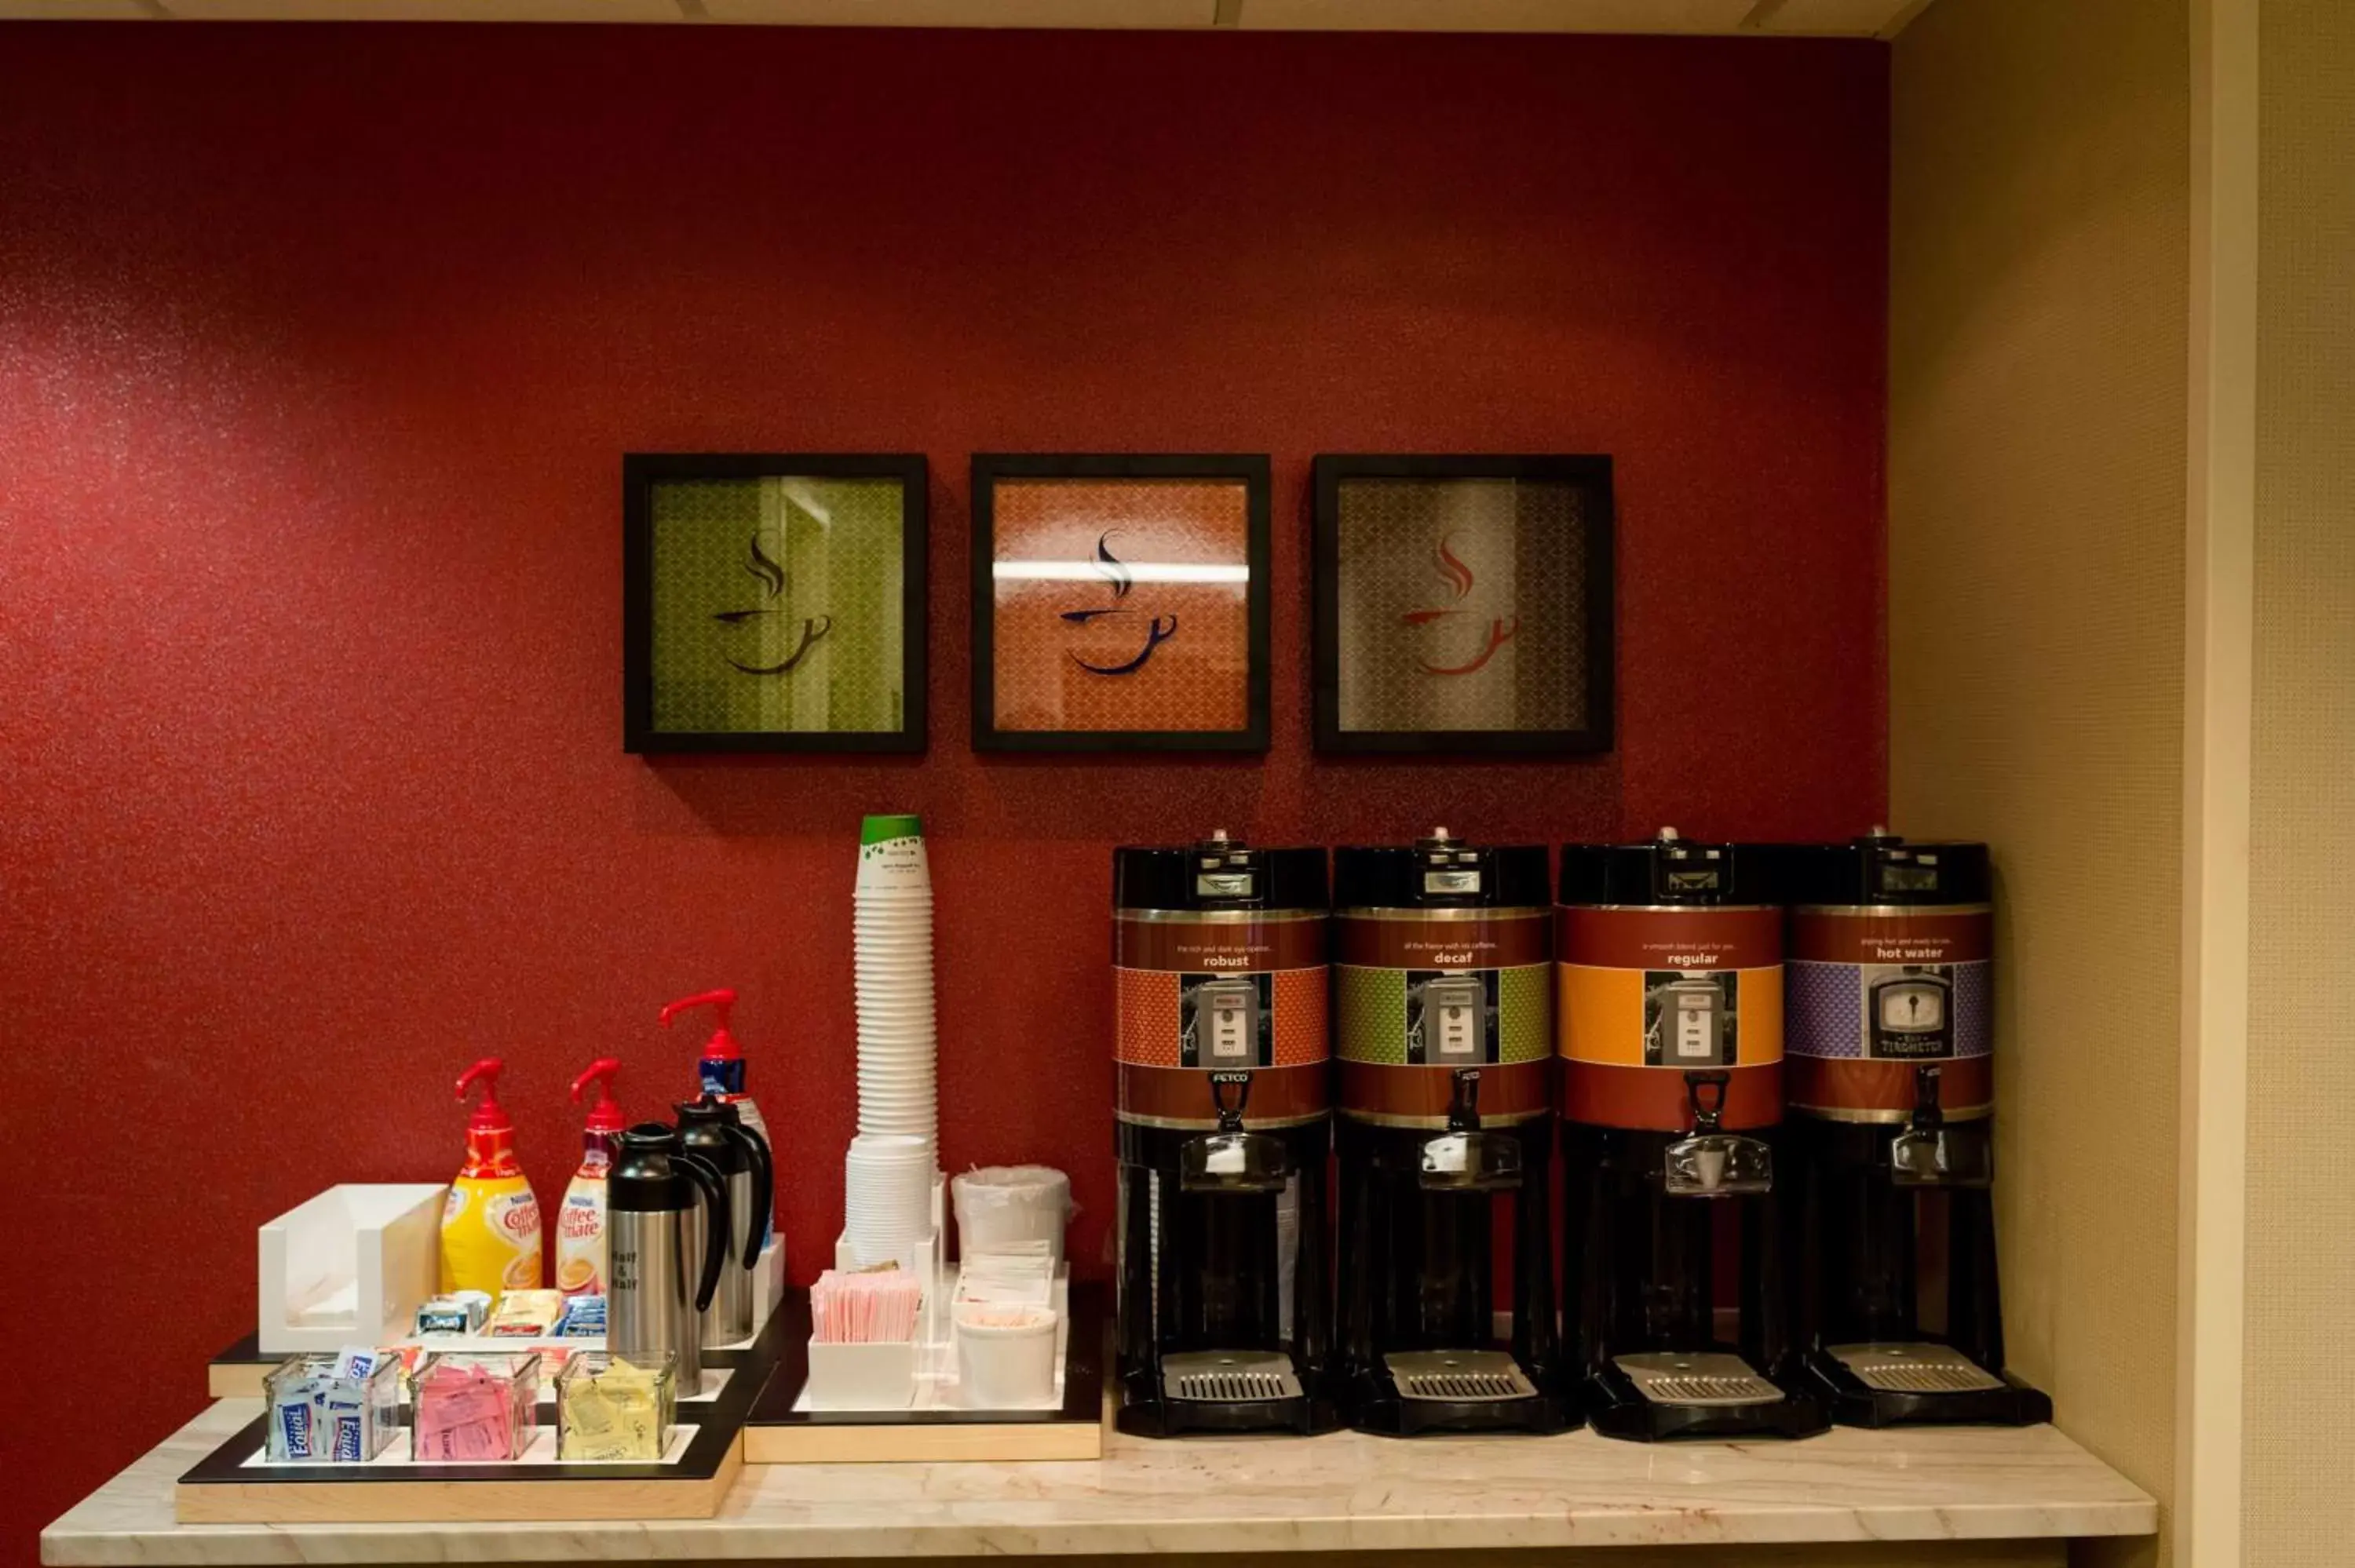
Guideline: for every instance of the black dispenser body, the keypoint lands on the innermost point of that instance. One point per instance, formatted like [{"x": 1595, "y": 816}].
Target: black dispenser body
[
  {"x": 1224, "y": 1139},
  {"x": 1895, "y": 1304}
]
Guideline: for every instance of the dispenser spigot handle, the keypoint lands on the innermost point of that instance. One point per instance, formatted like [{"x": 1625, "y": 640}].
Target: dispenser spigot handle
[
  {"x": 1707, "y": 1109},
  {"x": 1927, "y": 1114},
  {"x": 1464, "y": 1103},
  {"x": 1230, "y": 1116}
]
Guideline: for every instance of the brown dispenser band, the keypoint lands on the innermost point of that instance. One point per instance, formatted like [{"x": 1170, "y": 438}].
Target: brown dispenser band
[
  {"x": 1647, "y": 1099},
  {"x": 1884, "y": 1091},
  {"x": 1192, "y": 942},
  {"x": 1419, "y": 1096},
  {"x": 1180, "y": 1097},
  {"x": 1442, "y": 939},
  {"x": 1866, "y": 935},
  {"x": 1668, "y": 937}
]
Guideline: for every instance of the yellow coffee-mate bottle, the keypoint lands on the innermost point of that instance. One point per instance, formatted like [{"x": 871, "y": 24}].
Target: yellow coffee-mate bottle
[{"x": 490, "y": 1226}]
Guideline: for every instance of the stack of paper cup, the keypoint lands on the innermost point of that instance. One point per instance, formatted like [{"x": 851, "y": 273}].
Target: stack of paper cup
[
  {"x": 892, "y": 1161},
  {"x": 886, "y": 1184}
]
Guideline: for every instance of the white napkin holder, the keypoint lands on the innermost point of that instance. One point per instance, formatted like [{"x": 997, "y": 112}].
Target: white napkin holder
[{"x": 350, "y": 1266}]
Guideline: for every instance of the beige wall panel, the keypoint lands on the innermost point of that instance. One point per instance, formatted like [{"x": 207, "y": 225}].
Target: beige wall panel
[
  {"x": 2298, "y": 1399},
  {"x": 2037, "y": 385}
]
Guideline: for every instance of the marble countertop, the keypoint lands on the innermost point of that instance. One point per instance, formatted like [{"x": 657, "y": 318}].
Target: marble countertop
[{"x": 1343, "y": 1492}]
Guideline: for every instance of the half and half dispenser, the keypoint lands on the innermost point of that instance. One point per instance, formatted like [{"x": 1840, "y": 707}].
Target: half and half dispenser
[
  {"x": 1443, "y": 1014},
  {"x": 1892, "y": 1091},
  {"x": 1671, "y": 1027},
  {"x": 1223, "y": 1127}
]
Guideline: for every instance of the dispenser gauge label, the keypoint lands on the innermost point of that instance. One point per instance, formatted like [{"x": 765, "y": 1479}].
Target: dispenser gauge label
[
  {"x": 1450, "y": 1018},
  {"x": 1689, "y": 1018},
  {"x": 1909, "y": 1008},
  {"x": 1450, "y": 884},
  {"x": 1226, "y": 1020},
  {"x": 1696, "y": 1028}
]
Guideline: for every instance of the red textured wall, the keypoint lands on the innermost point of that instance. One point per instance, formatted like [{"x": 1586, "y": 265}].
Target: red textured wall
[{"x": 319, "y": 350}]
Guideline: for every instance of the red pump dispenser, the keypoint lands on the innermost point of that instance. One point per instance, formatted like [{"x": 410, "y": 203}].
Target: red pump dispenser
[
  {"x": 720, "y": 1073},
  {"x": 721, "y": 1046},
  {"x": 604, "y": 1116},
  {"x": 490, "y": 1132}
]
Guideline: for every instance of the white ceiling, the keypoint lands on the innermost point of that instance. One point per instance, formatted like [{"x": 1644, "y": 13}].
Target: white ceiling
[{"x": 1821, "y": 18}]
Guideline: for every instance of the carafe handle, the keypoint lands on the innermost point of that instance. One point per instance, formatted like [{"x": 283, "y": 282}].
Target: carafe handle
[
  {"x": 714, "y": 1196},
  {"x": 765, "y": 1181}
]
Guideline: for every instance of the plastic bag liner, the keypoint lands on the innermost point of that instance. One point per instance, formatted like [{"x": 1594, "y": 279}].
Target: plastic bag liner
[{"x": 1011, "y": 1208}]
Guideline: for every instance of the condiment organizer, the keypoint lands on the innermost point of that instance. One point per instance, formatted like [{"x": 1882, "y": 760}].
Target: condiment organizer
[
  {"x": 323, "y": 1412},
  {"x": 611, "y": 1411},
  {"x": 347, "y": 1268},
  {"x": 473, "y": 1407},
  {"x": 888, "y": 1375}
]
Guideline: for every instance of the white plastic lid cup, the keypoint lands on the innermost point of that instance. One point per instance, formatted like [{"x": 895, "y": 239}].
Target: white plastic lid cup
[
  {"x": 1006, "y": 1356},
  {"x": 1011, "y": 1207}
]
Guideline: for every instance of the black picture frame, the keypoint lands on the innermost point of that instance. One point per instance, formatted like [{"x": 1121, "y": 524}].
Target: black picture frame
[
  {"x": 641, "y": 472},
  {"x": 1592, "y": 475},
  {"x": 1251, "y": 470}
]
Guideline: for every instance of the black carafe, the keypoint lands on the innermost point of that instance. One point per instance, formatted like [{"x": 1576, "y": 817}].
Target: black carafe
[
  {"x": 662, "y": 1205},
  {"x": 709, "y": 1129}
]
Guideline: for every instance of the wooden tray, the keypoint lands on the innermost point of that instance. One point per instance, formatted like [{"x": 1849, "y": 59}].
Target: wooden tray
[
  {"x": 227, "y": 1488},
  {"x": 777, "y": 1433}
]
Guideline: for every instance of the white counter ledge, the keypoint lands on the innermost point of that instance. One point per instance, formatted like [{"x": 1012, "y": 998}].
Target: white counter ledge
[{"x": 1344, "y": 1493}]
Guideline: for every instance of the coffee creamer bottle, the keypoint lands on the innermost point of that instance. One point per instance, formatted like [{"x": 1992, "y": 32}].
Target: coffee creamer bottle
[
  {"x": 580, "y": 1222},
  {"x": 490, "y": 1225}
]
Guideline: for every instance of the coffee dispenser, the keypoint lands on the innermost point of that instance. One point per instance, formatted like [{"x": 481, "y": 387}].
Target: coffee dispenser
[
  {"x": 1891, "y": 1092},
  {"x": 1671, "y": 1036},
  {"x": 1223, "y": 1136},
  {"x": 1443, "y": 998}
]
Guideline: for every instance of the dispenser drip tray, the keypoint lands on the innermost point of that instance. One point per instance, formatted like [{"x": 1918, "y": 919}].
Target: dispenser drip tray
[
  {"x": 1229, "y": 1377},
  {"x": 1708, "y": 1378},
  {"x": 1914, "y": 1368},
  {"x": 1459, "y": 1376}
]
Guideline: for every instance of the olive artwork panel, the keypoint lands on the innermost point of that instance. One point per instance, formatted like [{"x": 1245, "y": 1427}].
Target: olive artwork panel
[
  {"x": 773, "y": 602},
  {"x": 1463, "y": 604}
]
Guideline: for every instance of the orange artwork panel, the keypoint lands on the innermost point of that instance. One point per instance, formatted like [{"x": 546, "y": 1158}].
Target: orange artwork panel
[{"x": 1121, "y": 604}]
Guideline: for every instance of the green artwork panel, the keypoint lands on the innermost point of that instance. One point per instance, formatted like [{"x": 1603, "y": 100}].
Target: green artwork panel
[{"x": 777, "y": 605}]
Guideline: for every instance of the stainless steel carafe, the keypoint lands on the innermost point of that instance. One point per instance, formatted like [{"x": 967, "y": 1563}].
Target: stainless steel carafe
[
  {"x": 661, "y": 1206},
  {"x": 709, "y": 1129}
]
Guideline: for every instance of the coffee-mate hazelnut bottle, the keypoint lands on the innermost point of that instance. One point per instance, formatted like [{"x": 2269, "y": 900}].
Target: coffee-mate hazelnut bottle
[{"x": 490, "y": 1225}]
